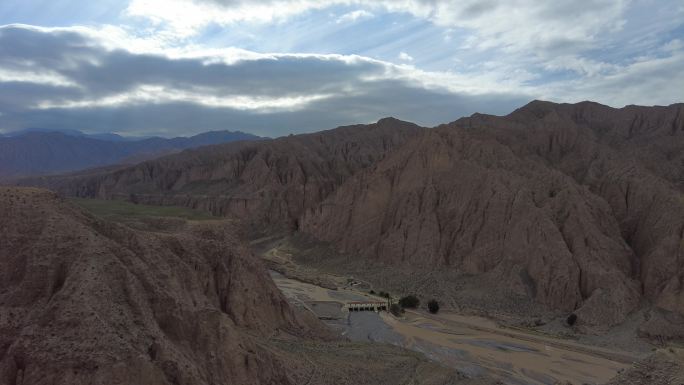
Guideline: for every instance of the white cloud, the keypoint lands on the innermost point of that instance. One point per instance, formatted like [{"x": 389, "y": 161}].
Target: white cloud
[
  {"x": 328, "y": 70},
  {"x": 403, "y": 56},
  {"x": 187, "y": 17},
  {"x": 512, "y": 25},
  {"x": 156, "y": 94},
  {"x": 354, "y": 16},
  {"x": 113, "y": 37},
  {"x": 221, "y": 77},
  {"x": 583, "y": 66},
  {"x": 649, "y": 81},
  {"x": 513, "y": 49},
  {"x": 179, "y": 86},
  {"x": 526, "y": 36},
  {"x": 42, "y": 76},
  {"x": 674, "y": 45}
]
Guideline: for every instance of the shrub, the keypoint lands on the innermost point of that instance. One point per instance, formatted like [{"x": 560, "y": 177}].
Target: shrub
[
  {"x": 433, "y": 306},
  {"x": 383, "y": 294},
  {"x": 396, "y": 310},
  {"x": 372, "y": 292},
  {"x": 409, "y": 302},
  {"x": 572, "y": 318}
]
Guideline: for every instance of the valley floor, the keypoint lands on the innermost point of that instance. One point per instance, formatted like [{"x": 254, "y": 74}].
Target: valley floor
[
  {"x": 472, "y": 345},
  {"x": 476, "y": 346}
]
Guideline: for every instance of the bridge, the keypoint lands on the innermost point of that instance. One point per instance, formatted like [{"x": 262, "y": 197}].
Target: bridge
[{"x": 366, "y": 306}]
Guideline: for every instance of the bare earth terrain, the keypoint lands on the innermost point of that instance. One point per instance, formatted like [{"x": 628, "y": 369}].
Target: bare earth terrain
[
  {"x": 553, "y": 209},
  {"x": 161, "y": 300},
  {"x": 553, "y": 212},
  {"x": 473, "y": 345}
]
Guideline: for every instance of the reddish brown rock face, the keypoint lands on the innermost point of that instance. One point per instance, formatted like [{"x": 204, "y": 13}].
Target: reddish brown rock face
[
  {"x": 552, "y": 191},
  {"x": 579, "y": 207},
  {"x": 269, "y": 183},
  {"x": 85, "y": 301}
]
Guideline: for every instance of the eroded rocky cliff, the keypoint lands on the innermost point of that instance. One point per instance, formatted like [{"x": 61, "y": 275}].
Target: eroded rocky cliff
[
  {"x": 86, "y": 301},
  {"x": 270, "y": 183},
  {"x": 579, "y": 207},
  {"x": 567, "y": 203}
]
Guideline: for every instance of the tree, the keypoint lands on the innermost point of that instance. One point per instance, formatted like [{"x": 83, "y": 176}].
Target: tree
[
  {"x": 572, "y": 318},
  {"x": 372, "y": 292},
  {"x": 433, "y": 306},
  {"x": 409, "y": 302},
  {"x": 396, "y": 310}
]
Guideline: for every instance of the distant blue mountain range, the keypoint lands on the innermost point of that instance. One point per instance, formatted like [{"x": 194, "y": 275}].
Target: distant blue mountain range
[
  {"x": 103, "y": 136},
  {"x": 39, "y": 151}
]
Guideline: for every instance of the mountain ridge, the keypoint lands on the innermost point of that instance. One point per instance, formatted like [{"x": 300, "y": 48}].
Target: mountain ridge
[{"x": 576, "y": 206}]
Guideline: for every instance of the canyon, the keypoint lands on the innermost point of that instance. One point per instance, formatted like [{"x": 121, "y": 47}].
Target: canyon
[
  {"x": 578, "y": 208},
  {"x": 167, "y": 301},
  {"x": 551, "y": 211}
]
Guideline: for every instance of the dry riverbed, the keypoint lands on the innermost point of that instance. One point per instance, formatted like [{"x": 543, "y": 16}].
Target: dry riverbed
[{"x": 474, "y": 345}]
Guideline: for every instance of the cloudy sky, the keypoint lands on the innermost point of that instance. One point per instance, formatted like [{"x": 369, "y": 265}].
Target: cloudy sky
[{"x": 274, "y": 67}]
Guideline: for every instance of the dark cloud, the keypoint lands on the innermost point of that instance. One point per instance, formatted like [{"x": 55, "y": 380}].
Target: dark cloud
[
  {"x": 92, "y": 72},
  {"x": 387, "y": 98},
  {"x": 100, "y": 72},
  {"x": 479, "y": 8},
  {"x": 18, "y": 96},
  {"x": 22, "y": 47}
]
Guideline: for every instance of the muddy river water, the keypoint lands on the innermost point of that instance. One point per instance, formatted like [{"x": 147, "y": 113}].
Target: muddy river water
[{"x": 473, "y": 345}]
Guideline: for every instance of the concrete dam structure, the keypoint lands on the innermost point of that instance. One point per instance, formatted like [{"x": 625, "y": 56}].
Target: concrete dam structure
[{"x": 366, "y": 306}]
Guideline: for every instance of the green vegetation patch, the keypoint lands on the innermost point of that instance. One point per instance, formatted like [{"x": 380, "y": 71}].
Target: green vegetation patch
[
  {"x": 409, "y": 302},
  {"x": 116, "y": 209}
]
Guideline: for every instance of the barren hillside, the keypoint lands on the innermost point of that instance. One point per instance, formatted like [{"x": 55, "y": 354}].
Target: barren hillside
[
  {"x": 577, "y": 207},
  {"x": 85, "y": 301}
]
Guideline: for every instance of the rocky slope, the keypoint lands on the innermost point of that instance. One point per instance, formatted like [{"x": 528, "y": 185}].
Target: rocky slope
[
  {"x": 84, "y": 301},
  {"x": 549, "y": 201},
  {"x": 578, "y": 207},
  {"x": 661, "y": 368},
  {"x": 270, "y": 182}
]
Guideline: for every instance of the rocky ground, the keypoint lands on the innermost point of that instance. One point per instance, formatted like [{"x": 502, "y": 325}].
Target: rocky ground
[
  {"x": 552, "y": 210},
  {"x": 475, "y": 346},
  {"x": 89, "y": 301},
  {"x": 577, "y": 207},
  {"x": 369, "y": 364},
  {"x": 474, "y": 295},
  {"x": 627, "y": 337},
  {"x": 666, "y": 367}
]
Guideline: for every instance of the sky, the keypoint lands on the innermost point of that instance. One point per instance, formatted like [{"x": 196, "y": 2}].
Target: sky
[{"x": 276, "y": 67}]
